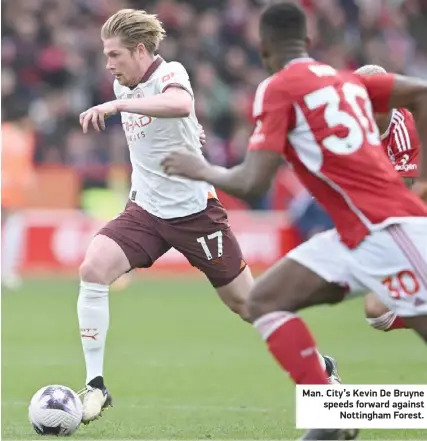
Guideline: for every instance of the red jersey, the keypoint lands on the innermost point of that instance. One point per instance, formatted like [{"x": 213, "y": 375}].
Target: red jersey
[
  {"x": 401, "y": 143},
  {"x": 322, "y": 121}
]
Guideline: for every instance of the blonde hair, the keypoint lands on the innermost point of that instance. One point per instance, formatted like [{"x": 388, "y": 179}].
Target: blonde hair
[
  {"x": 371, "y": 69},
  {"x": 134, "y": 26}
]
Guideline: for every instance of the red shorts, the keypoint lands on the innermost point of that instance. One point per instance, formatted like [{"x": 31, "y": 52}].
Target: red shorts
[{"x": 204, "y": 238}]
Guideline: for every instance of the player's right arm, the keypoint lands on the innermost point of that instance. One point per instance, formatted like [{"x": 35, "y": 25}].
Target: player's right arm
[{"x": 395, "y": 91}]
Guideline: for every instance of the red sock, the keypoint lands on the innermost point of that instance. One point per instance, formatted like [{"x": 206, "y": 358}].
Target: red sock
[
  {"x": 293, "y": 346},
  {"x": 397, "y": 323}
]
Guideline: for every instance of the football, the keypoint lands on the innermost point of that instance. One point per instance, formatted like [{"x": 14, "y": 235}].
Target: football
[{"x": 55, "y": 410}]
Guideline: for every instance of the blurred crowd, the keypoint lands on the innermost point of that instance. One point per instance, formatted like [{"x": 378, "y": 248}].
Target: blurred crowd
[{"x": 53, "y": 67}]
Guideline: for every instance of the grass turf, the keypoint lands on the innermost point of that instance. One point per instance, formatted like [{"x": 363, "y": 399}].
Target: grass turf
[{"x": 180, "y": 366}]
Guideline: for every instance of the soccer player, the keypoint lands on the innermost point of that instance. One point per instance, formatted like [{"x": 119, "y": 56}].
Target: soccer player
[
  {"x": 322, "y": 121},
  {"x": 156, "y": 103},
  {"x": 402, "y": 146}
]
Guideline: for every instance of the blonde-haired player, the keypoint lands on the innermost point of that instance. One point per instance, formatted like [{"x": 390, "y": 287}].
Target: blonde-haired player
[
  {"x": 402, "y": 146},
  {"x": 156, "y": 103}
]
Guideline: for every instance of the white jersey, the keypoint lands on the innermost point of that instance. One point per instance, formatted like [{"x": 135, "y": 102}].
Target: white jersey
[{"x": 151, "y": 139}]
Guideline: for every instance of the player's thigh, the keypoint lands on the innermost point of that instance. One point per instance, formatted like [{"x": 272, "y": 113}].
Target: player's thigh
[
  {"x": 208, "y": 243},
  {"x": 393, "y": 264},
  {"x": 129, "y": 241},
  {"x": 373, "y": 306},
  {"x": 314, "y": 273}
]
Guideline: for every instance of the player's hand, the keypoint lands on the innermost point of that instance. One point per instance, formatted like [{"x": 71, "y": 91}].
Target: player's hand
[
  {"x": 97, "y": 116},
  {"x": 420, "y": 189},
  {"x": 202, "y": 136},
  {"x": 186, "y": 164}
]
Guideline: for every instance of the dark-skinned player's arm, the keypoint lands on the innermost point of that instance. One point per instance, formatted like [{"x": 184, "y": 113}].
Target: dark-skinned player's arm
[
  {"x": 394, "y": 91},
  {"x": 254, "y": 175}
]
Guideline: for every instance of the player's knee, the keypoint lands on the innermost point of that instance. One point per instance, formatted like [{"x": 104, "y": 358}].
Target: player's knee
[
  {"x": 240, "y": 307},
  {"x": 235, "y": 300},
  {"x": 373, "y": 307},
  {"x": 377, "y": 315},
  {"x": 93, "y": 272}
]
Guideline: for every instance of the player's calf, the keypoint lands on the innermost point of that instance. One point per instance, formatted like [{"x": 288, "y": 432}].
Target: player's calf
[
  {"x": 419, "y": 325},
  {"x": 285, "y": 288},
  {"x": 104, "y": 262},
  {"x": 290, "y": 286},
  {"x": 380, "y": 317}
]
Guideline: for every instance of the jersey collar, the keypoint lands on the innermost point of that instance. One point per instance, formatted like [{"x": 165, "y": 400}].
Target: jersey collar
[{"x": 299, "y": 60}]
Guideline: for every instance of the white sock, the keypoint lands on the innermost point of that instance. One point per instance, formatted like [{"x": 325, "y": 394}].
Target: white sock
[
  {"x": 94, "y": 316},
  {"x": 321, "y": 360}
]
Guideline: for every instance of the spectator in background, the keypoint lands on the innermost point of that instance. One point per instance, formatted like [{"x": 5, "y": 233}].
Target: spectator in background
[
  {"x": 51, "y": 50},
  {"x": 16, "y": 179}
]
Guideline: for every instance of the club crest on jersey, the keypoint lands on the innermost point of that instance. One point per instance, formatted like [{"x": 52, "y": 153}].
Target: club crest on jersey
[{"x": 136, "y": 93}]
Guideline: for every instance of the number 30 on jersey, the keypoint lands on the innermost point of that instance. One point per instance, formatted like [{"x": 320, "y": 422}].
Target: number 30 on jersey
[{"x": 359, "y": 122}]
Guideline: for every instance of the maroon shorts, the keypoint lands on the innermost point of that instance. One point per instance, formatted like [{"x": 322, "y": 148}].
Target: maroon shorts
[{"x": 204, "y": 238}]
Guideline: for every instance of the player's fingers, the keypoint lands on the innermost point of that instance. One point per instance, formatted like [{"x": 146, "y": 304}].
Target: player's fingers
[
  {"x": 102, "y": 121},
  {"x": 166, "y": 162},
  {"x": 85, "y": 122},
  {"x": 82, "y": 117},
  {"x": 94, "y": 120}
]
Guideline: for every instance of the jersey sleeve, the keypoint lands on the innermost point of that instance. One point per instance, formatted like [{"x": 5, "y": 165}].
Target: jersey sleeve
[
  {"x": 272, "y": 112},
  {"x": 379, "y": 89},
  {"x": 175, "y": 76},
  {"x": 407, "y": 147}
]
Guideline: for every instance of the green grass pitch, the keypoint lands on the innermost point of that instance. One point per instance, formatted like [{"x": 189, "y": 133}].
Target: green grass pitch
[{"x": 180, "y": 366}]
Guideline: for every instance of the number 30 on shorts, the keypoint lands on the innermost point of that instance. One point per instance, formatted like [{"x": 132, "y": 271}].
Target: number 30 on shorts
[
  {"x": 203, "y": 241},
  {"x": 402, "y": 284}
]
